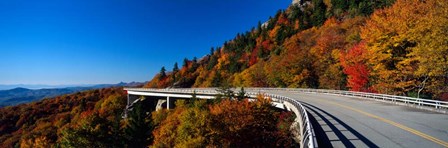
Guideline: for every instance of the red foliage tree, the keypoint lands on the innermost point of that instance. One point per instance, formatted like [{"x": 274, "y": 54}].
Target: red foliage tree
[{"x": 355, "y": 67}]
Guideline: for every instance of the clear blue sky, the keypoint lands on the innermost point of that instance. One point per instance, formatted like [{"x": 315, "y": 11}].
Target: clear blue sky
[{"x": 108, "y": 41}]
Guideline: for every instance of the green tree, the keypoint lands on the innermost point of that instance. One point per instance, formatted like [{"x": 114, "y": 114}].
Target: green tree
[
  {"x": 139, "y": 127},
  {"x": 194, "y": 65},
  {"x": 193, "y": 99},
  {"x": 185, "y": 64},
  {"x": 212, "y": 51},
  {"x": 318, "y": 15},
  {"x": 225, "y": 91},
  {"x": 241, "y": 94},
  {"x": 217, "y": 79},
  {"x": 213, "y": 61},
  {"x": 175, "y": 68},
  {"x": 162, "y": 73},
  {"x": 339, "y": 6}
]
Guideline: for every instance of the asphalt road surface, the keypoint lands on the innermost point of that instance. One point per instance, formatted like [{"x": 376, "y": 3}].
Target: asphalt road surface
[{"x": 353, "y": 122}]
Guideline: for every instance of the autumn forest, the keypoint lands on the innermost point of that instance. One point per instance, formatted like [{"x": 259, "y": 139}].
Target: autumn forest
[
  {"x": 397, "y": 47},
  {"x": 337, "y": 44}
]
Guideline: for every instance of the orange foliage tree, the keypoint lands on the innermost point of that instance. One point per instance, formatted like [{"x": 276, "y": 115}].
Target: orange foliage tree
[
  {"x": 228, "y": 123},
  {"x": 407, "y": 47}
]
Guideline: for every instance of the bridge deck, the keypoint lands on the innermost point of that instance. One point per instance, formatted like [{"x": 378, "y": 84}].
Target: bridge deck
[{"x": 354, "y": 122}]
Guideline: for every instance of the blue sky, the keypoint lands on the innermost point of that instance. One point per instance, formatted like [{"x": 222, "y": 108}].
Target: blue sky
[{"x": 107, "y": 41}]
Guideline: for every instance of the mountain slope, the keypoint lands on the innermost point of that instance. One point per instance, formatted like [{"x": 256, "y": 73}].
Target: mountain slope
[
  {"x": 333, "y": 44},
  {"x": 50, "y": 117}
]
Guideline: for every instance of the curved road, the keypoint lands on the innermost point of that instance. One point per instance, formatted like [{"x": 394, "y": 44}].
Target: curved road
[{"x": 353, "y": 122}]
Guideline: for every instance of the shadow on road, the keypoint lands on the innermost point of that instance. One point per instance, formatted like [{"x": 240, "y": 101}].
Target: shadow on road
[{"x": 322, "y": 135}]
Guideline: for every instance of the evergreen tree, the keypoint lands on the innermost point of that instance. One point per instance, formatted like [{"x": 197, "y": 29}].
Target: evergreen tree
[
  {"x": 241, "y": 94},
  {"x": 233, "y": 65},
  {"x": 339, "y": 5},
  {"x": 162, "y": 73},
  {"x": 216, "y": 81},
  {"x": 185, "y": 63},
  {"x": 192, "y": 99},
  {"x": 194, "y": 65},
  {"x": 212, "y": 51},
  {"x": 175, "y": 68},
  {"x": 318, "y": 16},
  {"x": 213, "y": 61},
  {"x": 259, "y": 26},
  {"x": 224, "y": 92}
]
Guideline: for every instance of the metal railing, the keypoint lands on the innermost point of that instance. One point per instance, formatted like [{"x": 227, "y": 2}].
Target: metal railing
[
  {"x": 307, "y": 135},
  {"x": 435, "y": 105}
]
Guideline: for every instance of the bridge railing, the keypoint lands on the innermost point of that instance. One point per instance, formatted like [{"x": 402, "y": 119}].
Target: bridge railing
[
  {"x": 434, "y": 104},
  {"x": 441, "y": 106},
  {"x": 307, "y": 135}
]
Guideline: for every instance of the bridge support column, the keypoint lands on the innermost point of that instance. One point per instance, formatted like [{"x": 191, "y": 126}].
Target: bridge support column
[
  {"x": 160, "y": 103},
  {"x": 170, "y": 102}
]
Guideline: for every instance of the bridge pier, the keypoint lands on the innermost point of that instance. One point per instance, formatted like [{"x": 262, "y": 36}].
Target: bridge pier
[
  {"x": 160, "y": 104},
  {"x": 168, "y": 103}
]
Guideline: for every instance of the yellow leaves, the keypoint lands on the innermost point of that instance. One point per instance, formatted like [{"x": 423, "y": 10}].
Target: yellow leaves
[
  {"x": 262, "y": 100},
  {"x": 227, "y": 123},
  {"x": 255, "y": 76},
  {"x": 202, "y": 77},
  {"x": 274, "y": 32},
  {"x": 222, "y": 61},
  {"x": 159, "y": 116},
  {"x": 242, "y": 79},
  {"x": 183, "y": 126},
  {"x": 412, "y": 27},
  {"x": 39, "y": 142},
  {"x": 300, "y": 79}
]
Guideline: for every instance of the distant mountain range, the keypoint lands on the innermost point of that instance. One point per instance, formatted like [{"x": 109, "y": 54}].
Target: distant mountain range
[
  {"x": 43, "y": 86},
  {"x": 39, "y": 86},
  {"x": 21, "y": 94}
]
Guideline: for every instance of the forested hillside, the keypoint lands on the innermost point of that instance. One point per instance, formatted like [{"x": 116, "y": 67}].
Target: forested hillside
[
  {"x": 94, "y": 119},
  {"x": 94, "y": 115},
  {"x": 379, "y": 46}
]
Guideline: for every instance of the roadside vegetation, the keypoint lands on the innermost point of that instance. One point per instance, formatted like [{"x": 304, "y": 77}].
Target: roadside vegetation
[{"x": 228, "y": 123}]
